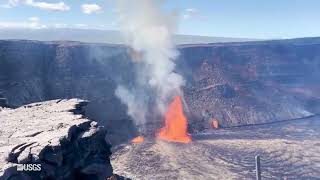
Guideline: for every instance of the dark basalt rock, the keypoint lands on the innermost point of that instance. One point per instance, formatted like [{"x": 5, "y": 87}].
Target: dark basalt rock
[
  {"x": 66, "y": 145},
  {"x": 225, "y": 91},
  {"x": 251, "y": 83}
]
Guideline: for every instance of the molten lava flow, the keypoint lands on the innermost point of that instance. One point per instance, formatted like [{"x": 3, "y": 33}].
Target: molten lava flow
[
  {"x": 138, "y": 139},
  {"x": 175, "y": 128},
  {"x": 214, "y": 124}
]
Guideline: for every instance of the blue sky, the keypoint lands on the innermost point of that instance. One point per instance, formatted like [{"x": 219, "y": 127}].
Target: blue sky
[{"x": 224, "y": 18}]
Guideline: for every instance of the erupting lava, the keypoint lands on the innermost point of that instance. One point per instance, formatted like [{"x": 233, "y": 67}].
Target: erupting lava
[
  {"x": 175, "y": 128},
  {"x": 138, "y": 139}
]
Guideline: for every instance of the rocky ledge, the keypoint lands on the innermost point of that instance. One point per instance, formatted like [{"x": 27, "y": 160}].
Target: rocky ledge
[{"x": 56, "y": 135}]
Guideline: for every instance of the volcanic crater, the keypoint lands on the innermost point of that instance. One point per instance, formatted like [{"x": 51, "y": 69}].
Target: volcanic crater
[{"x": 263, "y": 96}]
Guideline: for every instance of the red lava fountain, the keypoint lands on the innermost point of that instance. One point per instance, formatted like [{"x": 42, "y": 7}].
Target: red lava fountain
[
  {"x": 138, "y": 139},
  {"x": 175, "y": 128}
]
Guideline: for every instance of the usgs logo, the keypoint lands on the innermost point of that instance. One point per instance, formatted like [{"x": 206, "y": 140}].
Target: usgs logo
[{"x": 29, "y": 167}]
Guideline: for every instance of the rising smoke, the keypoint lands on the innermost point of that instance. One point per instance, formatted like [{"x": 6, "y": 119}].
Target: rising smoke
[{"x": 148, "y": 31}]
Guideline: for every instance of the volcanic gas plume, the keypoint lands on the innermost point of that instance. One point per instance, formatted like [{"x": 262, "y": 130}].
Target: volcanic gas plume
[
  {"x": 148, "y": 30},
  {"x": 175, "y": 128}
]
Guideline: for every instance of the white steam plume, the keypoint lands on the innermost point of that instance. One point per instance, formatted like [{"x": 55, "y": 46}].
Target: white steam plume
[{"x": 148, "y": 31}]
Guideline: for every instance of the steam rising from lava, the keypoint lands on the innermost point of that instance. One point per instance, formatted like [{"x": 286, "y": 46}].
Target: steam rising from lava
[{"x": 148, "y": 30}]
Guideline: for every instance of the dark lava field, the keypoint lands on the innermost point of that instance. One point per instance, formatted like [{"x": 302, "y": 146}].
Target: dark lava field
[{"x": 288, "y": 150}]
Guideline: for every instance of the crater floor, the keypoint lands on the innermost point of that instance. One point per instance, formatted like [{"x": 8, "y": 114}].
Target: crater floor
[{"x": 288, "y": 150}]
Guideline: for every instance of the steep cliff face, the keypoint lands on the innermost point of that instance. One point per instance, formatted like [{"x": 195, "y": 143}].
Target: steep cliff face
[
  {"x": 22, "y": 72},
  {"x": 250, "y": 83},
  {"x": 32, "y": 71},
  {"x": 57, "y": 138},
  {"x": 236, "y": 83}
]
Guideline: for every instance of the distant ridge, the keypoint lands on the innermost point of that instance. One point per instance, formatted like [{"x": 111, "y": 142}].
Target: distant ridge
[{"x": 100, "y": 36}]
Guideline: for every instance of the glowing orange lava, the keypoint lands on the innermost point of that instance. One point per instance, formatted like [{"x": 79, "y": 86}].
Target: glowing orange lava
[
  {"x": 214, "y": 124},
  {"x": 176, "y": 125},
  {"x": 138, "y": 139}
]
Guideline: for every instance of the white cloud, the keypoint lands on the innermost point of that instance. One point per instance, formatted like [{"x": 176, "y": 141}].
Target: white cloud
[
  {"x": 190, "y": 13},
  {"x": 34, "y": 19},
  {"x": 81, "y": 25},
  {"x": 11, "y": 3},
  {"x": 30, "y": 24},
  {"x": 191, "y": 10},
  {"x": 59, "y": 6},
  {"x": 90, "y": 8},
  {"x": 60, "y": 25}
]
